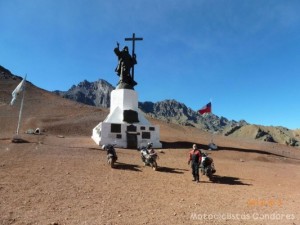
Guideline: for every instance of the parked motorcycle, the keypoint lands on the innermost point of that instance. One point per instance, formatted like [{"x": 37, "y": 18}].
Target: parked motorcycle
[
  {"x": 111, "y": 154},
  {"x": 207, "y": 166},
  {"x": 149, "y": 157}
]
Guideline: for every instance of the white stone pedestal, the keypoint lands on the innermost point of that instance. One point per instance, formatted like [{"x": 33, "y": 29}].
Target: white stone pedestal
[{"x": 125, "y": 126}]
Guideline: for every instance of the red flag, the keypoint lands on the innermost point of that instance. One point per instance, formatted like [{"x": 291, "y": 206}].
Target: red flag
[{"x": 205, "y": 109}]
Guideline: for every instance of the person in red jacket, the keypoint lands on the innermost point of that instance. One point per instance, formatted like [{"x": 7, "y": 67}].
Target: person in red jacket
[{"x": 195, "y": 160}]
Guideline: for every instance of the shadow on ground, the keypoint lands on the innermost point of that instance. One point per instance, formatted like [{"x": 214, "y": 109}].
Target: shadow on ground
[
  {"x": 170, "y": 170},
  {"x": 125, "y": 166},
  {"x": 228, "y": 180}
]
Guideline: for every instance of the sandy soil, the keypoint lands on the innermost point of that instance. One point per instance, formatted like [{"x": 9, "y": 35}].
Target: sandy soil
[{"x": 55, "y": 180}]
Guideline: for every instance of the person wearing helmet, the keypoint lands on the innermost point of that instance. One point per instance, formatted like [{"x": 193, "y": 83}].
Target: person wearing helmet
[
  {"x": 149, "y": 146},
  {"x": 150, "y": 149},
  {"x": 110, "y": 150},
  {"x": 195, "y": 160},
  {"x": 147, "y": 151}
]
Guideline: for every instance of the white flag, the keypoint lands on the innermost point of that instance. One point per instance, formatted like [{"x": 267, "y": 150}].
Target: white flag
[{"x": 17, "y": 91}]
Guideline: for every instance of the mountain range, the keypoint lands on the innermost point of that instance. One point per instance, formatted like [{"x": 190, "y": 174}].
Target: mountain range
[{"x": 97, "y": 94}]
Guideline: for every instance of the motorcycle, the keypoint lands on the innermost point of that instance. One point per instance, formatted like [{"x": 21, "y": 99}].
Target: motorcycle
[
  {"x": 207, "y": 166},
  {"x": 149, "y": 157},
  {"x": 111, "y": 154}
]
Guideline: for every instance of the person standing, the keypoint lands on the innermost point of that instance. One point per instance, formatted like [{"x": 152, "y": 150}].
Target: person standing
[{"x": 195, "y": 160}]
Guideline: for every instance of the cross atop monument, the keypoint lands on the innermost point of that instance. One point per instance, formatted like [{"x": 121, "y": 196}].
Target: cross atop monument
[{"x": 133, "y": 39}]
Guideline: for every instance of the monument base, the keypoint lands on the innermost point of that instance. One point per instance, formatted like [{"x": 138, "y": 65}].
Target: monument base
[
  {"x": 126, "y": 126},
  {"x": 126, "y": 135}
]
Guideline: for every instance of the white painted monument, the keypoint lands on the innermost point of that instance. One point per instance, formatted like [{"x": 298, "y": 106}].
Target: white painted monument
[{"x": 126, "y": 126}]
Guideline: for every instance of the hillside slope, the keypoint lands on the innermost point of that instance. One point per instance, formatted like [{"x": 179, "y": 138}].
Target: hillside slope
[
  {"x": 45, "y": 110},
  {"x": 48, "y": 111}
]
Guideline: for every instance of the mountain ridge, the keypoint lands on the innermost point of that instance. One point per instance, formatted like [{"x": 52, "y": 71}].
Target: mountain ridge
[
  {"x": 173, "y": 111},
  {"x": 98, "y": 94},
  {"x": 167, "y": 110}
]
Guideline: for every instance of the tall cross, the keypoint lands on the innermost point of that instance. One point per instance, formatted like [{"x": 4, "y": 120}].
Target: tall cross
[{"x": 133, "y": 39}]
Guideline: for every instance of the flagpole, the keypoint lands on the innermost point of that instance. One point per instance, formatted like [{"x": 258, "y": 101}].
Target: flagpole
[
  {"x": 21, "y": 108},
  {"x": 212, "y": 134}
]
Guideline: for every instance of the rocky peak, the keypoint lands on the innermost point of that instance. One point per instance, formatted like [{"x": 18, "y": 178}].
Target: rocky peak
[{"x": 91, "y": 93}]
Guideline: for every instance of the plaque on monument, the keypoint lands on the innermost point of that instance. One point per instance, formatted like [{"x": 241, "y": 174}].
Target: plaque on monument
[{"x": 130, "y": 116}]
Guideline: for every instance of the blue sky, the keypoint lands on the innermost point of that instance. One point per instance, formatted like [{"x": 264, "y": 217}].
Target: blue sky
[{"x": 242, "y": 55}]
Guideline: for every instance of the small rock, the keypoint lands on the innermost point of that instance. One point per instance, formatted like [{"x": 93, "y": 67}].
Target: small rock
[{"x": 54, "y": 223}]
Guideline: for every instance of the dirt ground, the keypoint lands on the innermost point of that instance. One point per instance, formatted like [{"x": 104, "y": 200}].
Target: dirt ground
[{"x": 65, "y": 180}]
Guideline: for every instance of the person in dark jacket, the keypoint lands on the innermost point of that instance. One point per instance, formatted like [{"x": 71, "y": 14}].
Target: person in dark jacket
[{"x": 195, "y": 160}]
